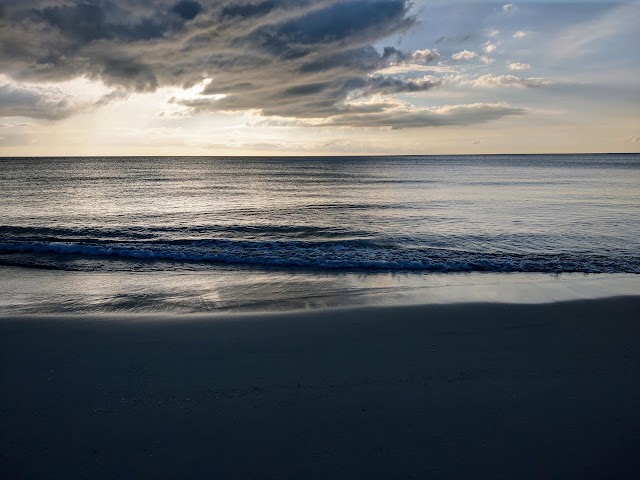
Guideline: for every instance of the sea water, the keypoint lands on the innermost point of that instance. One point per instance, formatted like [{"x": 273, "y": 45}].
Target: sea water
[{"x": 190, "y": 234}]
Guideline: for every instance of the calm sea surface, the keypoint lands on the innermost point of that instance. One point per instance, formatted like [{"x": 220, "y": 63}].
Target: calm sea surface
[{"x": 82, "y": 224}]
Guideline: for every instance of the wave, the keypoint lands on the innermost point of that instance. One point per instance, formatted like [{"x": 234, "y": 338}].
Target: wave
[
  {"x": 331, "y": 255},
  {"x": 149, "y": 233}
]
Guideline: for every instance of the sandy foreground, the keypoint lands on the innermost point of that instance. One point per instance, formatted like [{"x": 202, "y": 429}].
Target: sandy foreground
[{"x": 438, "y": 391}]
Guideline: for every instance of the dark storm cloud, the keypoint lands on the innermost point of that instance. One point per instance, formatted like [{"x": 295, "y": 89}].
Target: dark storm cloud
[
  {"x": 138, "y": 75},
  {"x": 86, "y": 22},
  {"x": 289, "y": 58}
]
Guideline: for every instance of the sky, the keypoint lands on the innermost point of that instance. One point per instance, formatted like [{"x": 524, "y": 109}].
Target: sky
[{"x": 318, "y": 77}]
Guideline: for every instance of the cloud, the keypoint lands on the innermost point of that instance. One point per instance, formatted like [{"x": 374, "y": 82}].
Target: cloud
[
  {"x": 391, "y": 85},
  {"x": 292, "y": 101},
  {"x": 48, "y": 103},
  {"x": 489, "y": 47},
  {"x": 425, "y": 56},
  {"x": 508, "y": 7},
  {"x": 313, "y": 60},
  {"x": 634, "y": 139},
  {"x": 15, "y": 125},
  {"x": 114, "y": 95},
  {"x": 382, "y": 112},
  {"x": 418, "y": 61},
  {"x": 282, "y": 57},
  {"x": 578, "y": 40},
  {"x": 415, "y": 67},
  {"x": 509, "y": 81},
  {"x": 464, "y": 55},
  {"x": 397, "y": 116},
  {"x": 519, "y": 34},
  {"x": 519, "y": 66},
  {"x": 127, "y": 44}
]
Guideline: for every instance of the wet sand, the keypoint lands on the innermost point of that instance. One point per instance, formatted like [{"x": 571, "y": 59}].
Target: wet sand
[{"x": 437, "y": 391}]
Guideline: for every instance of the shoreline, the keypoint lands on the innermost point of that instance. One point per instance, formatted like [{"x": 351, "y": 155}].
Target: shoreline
[
  {"x": 484, "y": 390},
  {"x": 50, "y": 292},
  {"x": 314, "y": 313}
]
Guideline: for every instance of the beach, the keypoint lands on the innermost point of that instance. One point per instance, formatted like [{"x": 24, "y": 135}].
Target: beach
[
  {"x": 309, "y": 240},
  {"x": 435, "y": 391}
]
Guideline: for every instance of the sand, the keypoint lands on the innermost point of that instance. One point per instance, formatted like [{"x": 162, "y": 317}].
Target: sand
[{"x": 439, "y": 391}]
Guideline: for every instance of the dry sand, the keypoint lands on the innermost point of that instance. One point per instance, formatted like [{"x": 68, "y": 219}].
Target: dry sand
[{"x": 440, "y": 391}]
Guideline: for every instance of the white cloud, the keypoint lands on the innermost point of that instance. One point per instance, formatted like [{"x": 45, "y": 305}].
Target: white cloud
[
  {"x": 469, "y": 55},
  {"x": 425, "y": 56},
  {"x": 506, "y": 81},
  {"x": 489, "y": 47},
  {"x": 493, "y": 33},
  {"x": 508, "y": 7},
  {"x": 415, "y": 67},
  {"x": 464, "y": 55},
  {"x": 519, "y": 66},
  {"x": 15, "y": 125},
  {"x": 520, "y": 34}
]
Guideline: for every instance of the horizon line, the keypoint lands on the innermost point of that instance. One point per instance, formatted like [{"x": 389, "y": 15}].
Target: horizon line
[{"x": 356, "y": 155}]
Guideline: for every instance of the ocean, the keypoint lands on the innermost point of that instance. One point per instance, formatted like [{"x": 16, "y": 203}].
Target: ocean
[{"x": 192, "y": 234}]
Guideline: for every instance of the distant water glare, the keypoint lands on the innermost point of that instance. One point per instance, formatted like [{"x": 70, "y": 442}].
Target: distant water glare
[{"x": 356, "y": 215}]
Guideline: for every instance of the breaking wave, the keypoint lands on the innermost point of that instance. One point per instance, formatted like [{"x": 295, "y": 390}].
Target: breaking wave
[{"x": 330, "y": 255}]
